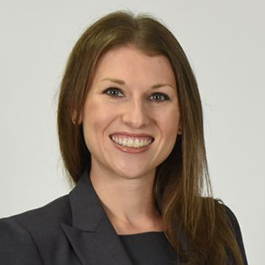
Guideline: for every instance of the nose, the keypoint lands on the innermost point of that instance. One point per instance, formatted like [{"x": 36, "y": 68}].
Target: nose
[{"x": 135, "y": 114}]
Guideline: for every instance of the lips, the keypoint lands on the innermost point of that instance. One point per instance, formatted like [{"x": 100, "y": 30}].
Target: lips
[{"x": 131, "y": 142}]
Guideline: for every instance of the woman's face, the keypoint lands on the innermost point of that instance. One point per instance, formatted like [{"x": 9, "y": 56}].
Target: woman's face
[{"x": 132, "y": 101}]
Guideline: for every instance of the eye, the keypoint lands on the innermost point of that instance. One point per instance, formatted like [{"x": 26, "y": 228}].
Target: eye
[
  {"x": 160, "y": 97},
  {"x": 113, "y": 92}
]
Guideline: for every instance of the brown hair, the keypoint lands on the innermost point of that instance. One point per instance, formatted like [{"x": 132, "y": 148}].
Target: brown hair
[{"x": 183, "y": 177}]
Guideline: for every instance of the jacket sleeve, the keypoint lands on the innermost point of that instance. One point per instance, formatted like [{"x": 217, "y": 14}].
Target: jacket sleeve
[
  {"x": 16, "y": 244},
  {"x": 238, "y": 233}
]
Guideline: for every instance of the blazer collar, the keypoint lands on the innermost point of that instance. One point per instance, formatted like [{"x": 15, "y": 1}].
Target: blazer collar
[
  {"x": 91, "y": 233},
  {"x": 86, "y": 208}
]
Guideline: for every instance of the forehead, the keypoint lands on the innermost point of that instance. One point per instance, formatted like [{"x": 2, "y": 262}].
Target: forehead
[{"x": 129, "y": 62}]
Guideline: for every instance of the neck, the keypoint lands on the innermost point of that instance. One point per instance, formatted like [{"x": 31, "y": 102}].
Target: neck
[{"x": 128, "y": 202}]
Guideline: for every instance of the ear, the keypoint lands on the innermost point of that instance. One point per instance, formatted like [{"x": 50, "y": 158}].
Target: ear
[
  {"x": 180, "y": 128},
  {"x": 74, "y": 121}
]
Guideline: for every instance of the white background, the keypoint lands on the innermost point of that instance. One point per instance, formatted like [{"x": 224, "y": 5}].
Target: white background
[{"x": 225, "y": 43}]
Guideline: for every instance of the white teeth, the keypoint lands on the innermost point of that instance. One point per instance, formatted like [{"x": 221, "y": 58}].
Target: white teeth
[{"x": 131, "y": 142}]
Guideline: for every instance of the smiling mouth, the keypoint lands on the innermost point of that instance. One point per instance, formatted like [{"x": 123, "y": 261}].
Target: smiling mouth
[{"x": 132, "y": 142}]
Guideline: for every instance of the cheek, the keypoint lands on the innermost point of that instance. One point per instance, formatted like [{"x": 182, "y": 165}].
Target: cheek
[
  {"x": 169, "y": 121},
  {"x": 97, "y": 117}
]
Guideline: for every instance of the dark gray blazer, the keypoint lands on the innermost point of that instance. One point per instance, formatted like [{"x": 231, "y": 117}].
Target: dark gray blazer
[{"x": 71, "y": 230}]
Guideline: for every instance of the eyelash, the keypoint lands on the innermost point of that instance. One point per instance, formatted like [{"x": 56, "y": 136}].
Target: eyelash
[{"x": 166, "y": 97}]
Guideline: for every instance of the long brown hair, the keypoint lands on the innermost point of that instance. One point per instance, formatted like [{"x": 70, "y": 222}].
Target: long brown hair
[{"x": 197, "y": 225}]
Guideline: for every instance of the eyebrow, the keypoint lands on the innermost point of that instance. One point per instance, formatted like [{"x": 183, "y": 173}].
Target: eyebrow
[{"x": 121, "y": 82}]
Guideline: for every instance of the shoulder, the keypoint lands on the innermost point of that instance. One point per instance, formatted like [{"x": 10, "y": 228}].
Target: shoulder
[
  {"x": 54, "y": 212},
  {"x": 236, "y": 227},
  {"x": 20, "y": 234},
  {"x": 221, "y": 207},
  {"x": 233, "y": 220}
]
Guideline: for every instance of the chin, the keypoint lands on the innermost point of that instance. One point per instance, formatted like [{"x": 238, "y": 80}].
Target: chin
[{"x": 134, "y": 174}]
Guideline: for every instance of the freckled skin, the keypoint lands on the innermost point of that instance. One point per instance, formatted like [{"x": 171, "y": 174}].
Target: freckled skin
[{"x": 134, "y": 112}]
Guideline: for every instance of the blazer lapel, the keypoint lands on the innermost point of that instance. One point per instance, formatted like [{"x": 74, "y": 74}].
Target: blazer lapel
[{"x": 91, "y": 233}]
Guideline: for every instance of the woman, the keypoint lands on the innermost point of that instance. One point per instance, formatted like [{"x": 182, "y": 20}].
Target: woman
[{"x": 131, "y": 136}]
